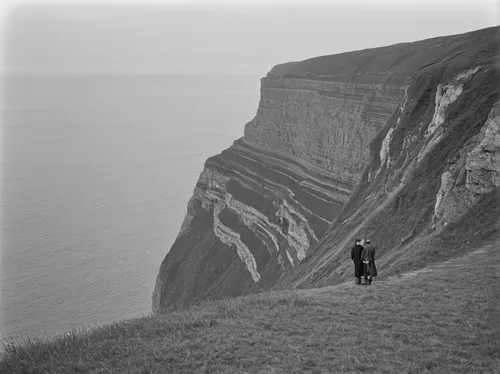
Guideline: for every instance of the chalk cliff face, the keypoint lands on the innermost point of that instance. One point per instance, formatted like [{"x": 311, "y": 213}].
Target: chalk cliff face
[{"x": 335, "y": 141}]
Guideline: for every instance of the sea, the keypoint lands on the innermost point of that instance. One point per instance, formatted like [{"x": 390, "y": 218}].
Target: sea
[{"x": 96, "y": 173}]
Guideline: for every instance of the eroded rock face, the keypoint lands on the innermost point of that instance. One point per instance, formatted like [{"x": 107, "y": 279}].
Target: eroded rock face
[
  {"x": 384, "y": 150},
  {"x": 477, "y": 163},
  {"x": 483, "y": 163},
  {"x": 445, "y": 95},
  {"x": 475, "y": 173},
  {"x": 447, "y": 182}
]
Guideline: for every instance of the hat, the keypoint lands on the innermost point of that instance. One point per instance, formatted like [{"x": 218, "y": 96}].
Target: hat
[
  {"x": 357, "y": 240},
  {"x": 367, "y": 241}
]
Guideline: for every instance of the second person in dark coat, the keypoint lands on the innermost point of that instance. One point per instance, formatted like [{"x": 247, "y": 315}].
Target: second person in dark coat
[{"x": 368, "y": 259}]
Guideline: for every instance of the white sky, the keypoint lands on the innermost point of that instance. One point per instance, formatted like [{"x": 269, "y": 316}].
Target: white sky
[{"x": 208, "y": 36}]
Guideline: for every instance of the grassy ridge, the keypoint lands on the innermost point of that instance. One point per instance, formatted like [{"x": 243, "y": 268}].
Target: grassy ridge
[{"x": 442, "y": 319}]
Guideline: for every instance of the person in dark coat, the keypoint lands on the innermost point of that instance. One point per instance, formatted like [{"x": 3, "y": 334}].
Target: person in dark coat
[
  {"x": 368, "y": 259},
  {"x": 356, "y": 258}
]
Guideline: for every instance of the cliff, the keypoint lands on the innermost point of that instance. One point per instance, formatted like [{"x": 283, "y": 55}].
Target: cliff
[{"x": 399, "y": 143}]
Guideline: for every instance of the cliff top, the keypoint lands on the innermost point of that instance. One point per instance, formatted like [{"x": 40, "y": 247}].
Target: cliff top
[
  {"x": 416, "y": 323},
  {"x": 400, "y": 60}
]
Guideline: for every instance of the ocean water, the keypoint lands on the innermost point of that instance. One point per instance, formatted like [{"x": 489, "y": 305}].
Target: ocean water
[{"x": 96, "y": 173}]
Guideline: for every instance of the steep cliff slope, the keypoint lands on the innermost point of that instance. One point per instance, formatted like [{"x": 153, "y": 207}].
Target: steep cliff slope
[{"x": 375, "y": 142}]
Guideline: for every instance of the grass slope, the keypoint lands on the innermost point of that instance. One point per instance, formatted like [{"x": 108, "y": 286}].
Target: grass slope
[{"x": 442, "y": 319}]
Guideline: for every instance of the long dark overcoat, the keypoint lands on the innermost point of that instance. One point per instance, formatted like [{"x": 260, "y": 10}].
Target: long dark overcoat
[
  {"x": 356, "y": 258},
  {"x": 368, "y": 254}
]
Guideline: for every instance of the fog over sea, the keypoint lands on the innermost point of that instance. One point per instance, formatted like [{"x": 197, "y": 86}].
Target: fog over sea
[{"x": 96, "y": 174}]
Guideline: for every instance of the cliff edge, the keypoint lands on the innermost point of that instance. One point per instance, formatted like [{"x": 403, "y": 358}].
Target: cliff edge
[{"x": 399, "y": 143}]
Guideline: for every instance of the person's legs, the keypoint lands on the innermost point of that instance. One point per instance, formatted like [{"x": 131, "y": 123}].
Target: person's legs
[
  {"x": 358, "y": 280},
  {"x": 365, "y": 273},
  {"x": 371, "y": 272}
]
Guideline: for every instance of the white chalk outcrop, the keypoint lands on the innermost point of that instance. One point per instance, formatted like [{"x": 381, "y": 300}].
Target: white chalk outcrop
[
  {"x": 384, "y": 150},
  {"x": 483, "y": 163}
]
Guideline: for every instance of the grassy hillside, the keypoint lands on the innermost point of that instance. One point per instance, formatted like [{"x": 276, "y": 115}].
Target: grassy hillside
[{"x": 442, "y": 319}]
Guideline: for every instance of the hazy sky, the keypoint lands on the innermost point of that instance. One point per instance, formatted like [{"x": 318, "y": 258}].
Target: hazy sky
[{"x": 208, "y": 36}]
